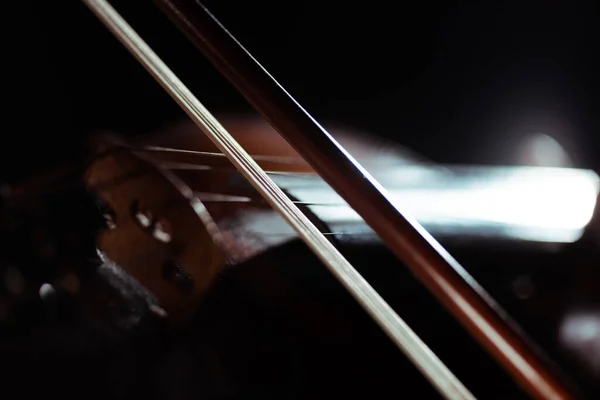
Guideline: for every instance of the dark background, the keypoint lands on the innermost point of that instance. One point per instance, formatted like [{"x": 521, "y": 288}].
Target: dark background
[{"x": 457, "y": 81}]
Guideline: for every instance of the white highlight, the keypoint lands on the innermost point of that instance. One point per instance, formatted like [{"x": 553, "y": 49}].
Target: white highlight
[
  {"x": 46, "y": 290},
  {"x": 539, "y": 204}
]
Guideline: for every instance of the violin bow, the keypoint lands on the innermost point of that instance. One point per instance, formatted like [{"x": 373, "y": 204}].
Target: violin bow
[{"x": 441, "y": 274}]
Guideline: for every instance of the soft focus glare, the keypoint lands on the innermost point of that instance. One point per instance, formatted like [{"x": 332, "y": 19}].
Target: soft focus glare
[
  {"x": 579, "y": 332},
  {"x": 538, "y": 204},
  {"x": 543, "y": 151},
  {"x": 552, "y": 200},
  {"x": 14, "y": 281},
  {"x": 46, "y": 291}
]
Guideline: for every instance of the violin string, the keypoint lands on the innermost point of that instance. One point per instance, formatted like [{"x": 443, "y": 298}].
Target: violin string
[
  {"x": 188, "y": 167},
  {"x": 71, "y": 178},
  {"x": 184, "y": 166},
  {"x": 181, "y": 166},
  {"x": 275, "y": 159},
  {"x": 207, "y": 197},
  {"x": 53, "y": 184},
  {"x": 399, "y": 332}
]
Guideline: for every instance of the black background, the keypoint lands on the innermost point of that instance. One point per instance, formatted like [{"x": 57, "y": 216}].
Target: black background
[
  {"x": 461, "y": 82},
  {"x": 457, "y": 81}
]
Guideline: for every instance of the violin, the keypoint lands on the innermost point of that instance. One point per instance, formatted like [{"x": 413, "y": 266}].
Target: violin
[{"x": 190, "y": 246}]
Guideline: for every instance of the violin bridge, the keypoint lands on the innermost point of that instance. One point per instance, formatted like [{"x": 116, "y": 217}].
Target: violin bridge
[{"x": 158, "y": 231}]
